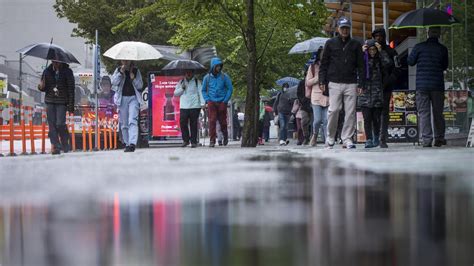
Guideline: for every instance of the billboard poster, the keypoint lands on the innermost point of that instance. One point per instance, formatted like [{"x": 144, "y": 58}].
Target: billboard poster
[
  {"x": 164, "y": 106},
  {"x": 403, "y": 118},
  {"x": 455, "y": 111}
]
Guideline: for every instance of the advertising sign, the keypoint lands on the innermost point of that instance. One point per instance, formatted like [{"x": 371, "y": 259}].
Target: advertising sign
[
  {"x": 455, "y": 111},
  {"x": 164, "y": 106},
  {"x": 403, "y": 119},
  {"x": 3, "y": 83}
]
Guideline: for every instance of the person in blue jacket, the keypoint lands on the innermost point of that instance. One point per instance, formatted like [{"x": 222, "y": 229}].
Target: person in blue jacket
[
  {"x": 431, "y": 60},
  {"x": 216, "y": 91}
]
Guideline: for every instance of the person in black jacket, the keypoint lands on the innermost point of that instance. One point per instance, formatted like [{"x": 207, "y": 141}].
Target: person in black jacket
[
  {"x": 57, "y": 82},
  {"x": 306, "y": 111},
  {"x": 390, "y": 76},
  {"x": 341, "y": 71},
  {"x": 282, "y": 108},
  {"x": 431, "y": 60},
  {"x": 371, "y": 99}
]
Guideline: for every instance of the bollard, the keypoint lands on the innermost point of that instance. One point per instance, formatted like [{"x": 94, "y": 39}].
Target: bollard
[
  {"x": 83, "y": 124},
  {"x": 32, "y": 131},
  {"x": 12, "y": 132},
  {"x": 90, "y": 135},
  {"x": 115, "y": 134},
  {"x": 98, "y": 134},
  {"x": 73, "y": 133},
  {"x": 23, "y": 131},
  {"x": 109, "y": 130},
  {"x": 43, "y": 131},
  {"x": 104, "y": 123}
]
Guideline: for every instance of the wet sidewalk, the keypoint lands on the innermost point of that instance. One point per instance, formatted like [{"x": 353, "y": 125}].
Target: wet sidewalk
[{"x": 272, "y": 205}]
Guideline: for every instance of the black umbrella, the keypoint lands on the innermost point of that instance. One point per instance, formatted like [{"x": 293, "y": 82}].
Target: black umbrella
[
  {"x": 49, "y": 51},
  {"x": 180, "y": 66},
  {"x": 424, "y": 17}
]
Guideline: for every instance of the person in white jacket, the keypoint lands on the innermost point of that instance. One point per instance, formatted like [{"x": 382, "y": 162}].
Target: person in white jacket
[
  {"x": 190, "y": 104},
  {"x": 127, "y": 83}
]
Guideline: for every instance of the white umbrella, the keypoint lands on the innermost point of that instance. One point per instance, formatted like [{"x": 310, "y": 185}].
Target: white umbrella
[
  {"x": 135, "y": 51},
  {"x": 308, "y": 46}
]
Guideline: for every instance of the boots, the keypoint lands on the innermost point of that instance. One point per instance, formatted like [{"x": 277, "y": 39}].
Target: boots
[{"x": 314, "y": 140}]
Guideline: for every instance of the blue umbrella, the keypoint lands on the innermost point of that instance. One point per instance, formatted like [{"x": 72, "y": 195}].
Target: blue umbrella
[{"x": 290, "y": 80}]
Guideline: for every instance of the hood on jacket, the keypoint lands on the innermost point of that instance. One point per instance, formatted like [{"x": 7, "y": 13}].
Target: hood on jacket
[
  {"x": 380, "y": 31},
  {"x": 215, "y": 62}
]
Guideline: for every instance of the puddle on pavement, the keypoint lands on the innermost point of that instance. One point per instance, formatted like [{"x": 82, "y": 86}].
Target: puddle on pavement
[{"x": 318, "y": 214}]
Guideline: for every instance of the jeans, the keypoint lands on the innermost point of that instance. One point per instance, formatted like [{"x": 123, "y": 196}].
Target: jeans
[
  {"x": 320, "y": 114},
  {"x": 188, "y": 119},
  {"x": 342, "y": 94},
  {"x": 128, "y": 112},
  {"x": 431, "y": 103},
  {"x": 372, "y": 122},
  {"x": 217, "y": 111},
  {"x": 58, "y": 132},
  {"x": 283, "y": 120}
]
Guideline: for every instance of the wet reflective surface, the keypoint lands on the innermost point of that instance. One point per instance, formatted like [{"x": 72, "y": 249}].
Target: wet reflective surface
[{"x": 317, "y": 214}]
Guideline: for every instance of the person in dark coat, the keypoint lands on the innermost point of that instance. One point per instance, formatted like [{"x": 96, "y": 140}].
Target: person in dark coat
[
  {"x": 371, "y": 98},
  {"x": 391, "y": 74},
  {"x": 282, "y": 108},
  {"x": 57, "y": 82},
  {"x": 305, "y": 111},
  {"x": 431, "y": 60}
]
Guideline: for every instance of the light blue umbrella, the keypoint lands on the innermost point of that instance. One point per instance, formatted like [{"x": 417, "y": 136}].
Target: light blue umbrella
[
  {"x": 290, "y": 80},
  {"x": 308, "y": 46}
]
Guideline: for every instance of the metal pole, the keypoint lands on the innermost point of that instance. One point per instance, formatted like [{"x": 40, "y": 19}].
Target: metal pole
[
  {"x": 350, "y": 10},
  {"x": 363, "y": 29},
  {"x": 95, "y": 68},
  {"x": 466, "y": 57},
  {"x": 452, "y": 51},
  {"x": 373, "y": 15},
  {"x": 20, "y": 78},
  {"x": 385, "y": 20}
]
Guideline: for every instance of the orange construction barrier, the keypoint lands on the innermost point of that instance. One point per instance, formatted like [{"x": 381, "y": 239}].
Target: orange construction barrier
[
  {"x": 23, "y": 130},
  {"x": 32, "y": 131},
  {"x": 109, "y": 130},
  {"x": 115, "y": 133},
  {"x": 43, "y": 131},
  {"x": 84, "y": 144},
  {"x": 90, "y": 135},
  {"x": 73, "y": 133},
  {"x": 12, "y": 132},
  {"x": 98, "y": 134},
  {"x": 104, "y": 123}
]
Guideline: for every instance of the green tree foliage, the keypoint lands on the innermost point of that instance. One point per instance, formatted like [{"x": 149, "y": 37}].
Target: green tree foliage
[
  {"x": 460, "y": 52},
  {"x": 227, "y": 25},
  {"x": 105, "y": 15}
]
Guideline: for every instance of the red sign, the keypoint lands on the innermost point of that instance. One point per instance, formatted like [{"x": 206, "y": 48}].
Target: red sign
[{"x": 165, "y": 106}]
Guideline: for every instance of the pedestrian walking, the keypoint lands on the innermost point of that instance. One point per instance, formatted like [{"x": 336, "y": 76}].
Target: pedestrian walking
[
  {"x": 267, "y": 118},
  {"x": 390, "y": 76},
  {"x": 341, "y": 71},
  {"x": 58, "y": 83},
  {"x": 217, "y": 91},
  {"x": 190, "y": 103},
  {"x": 431, "y": 60},
  {"x": 319, "y": 99},
  {"x": 127, "y": 83},
  {"x": 371, "y": 98},
  {"x": 282, "y": 108},
  {"x": 305, "y": 112}
]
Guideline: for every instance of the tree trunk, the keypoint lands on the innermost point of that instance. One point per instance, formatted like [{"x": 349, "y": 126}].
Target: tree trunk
[{"x": 250, "y": 132}]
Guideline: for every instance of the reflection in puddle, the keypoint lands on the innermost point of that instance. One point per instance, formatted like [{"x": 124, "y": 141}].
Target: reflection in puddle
[{"x": 319, "y": 214}]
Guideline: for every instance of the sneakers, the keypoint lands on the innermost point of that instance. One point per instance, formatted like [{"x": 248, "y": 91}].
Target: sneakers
[
  {"x": 184, "y": 144},
  {"x": 56, "y": 152},
  {"x": 348, "y": 145},
  {"x": 306, "y": 141},
  {"x": 369, "y": 144},
  {"x": 130, "y": 148},
  {"x": 439, "y": 142},
  {"x": 383, "y": 145},
  {"x": 282, "y": 143},
  {"x": 330, "y": 142},
  {"x": 226, "y": 141},
  {"x": 194, "y": 145},
  {"x": 219, "y": 142}
]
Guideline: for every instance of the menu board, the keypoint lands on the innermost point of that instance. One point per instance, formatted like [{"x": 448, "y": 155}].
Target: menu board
[
  {"x": 455, "y": 111},
  {"x": 403, "y": 118}
]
